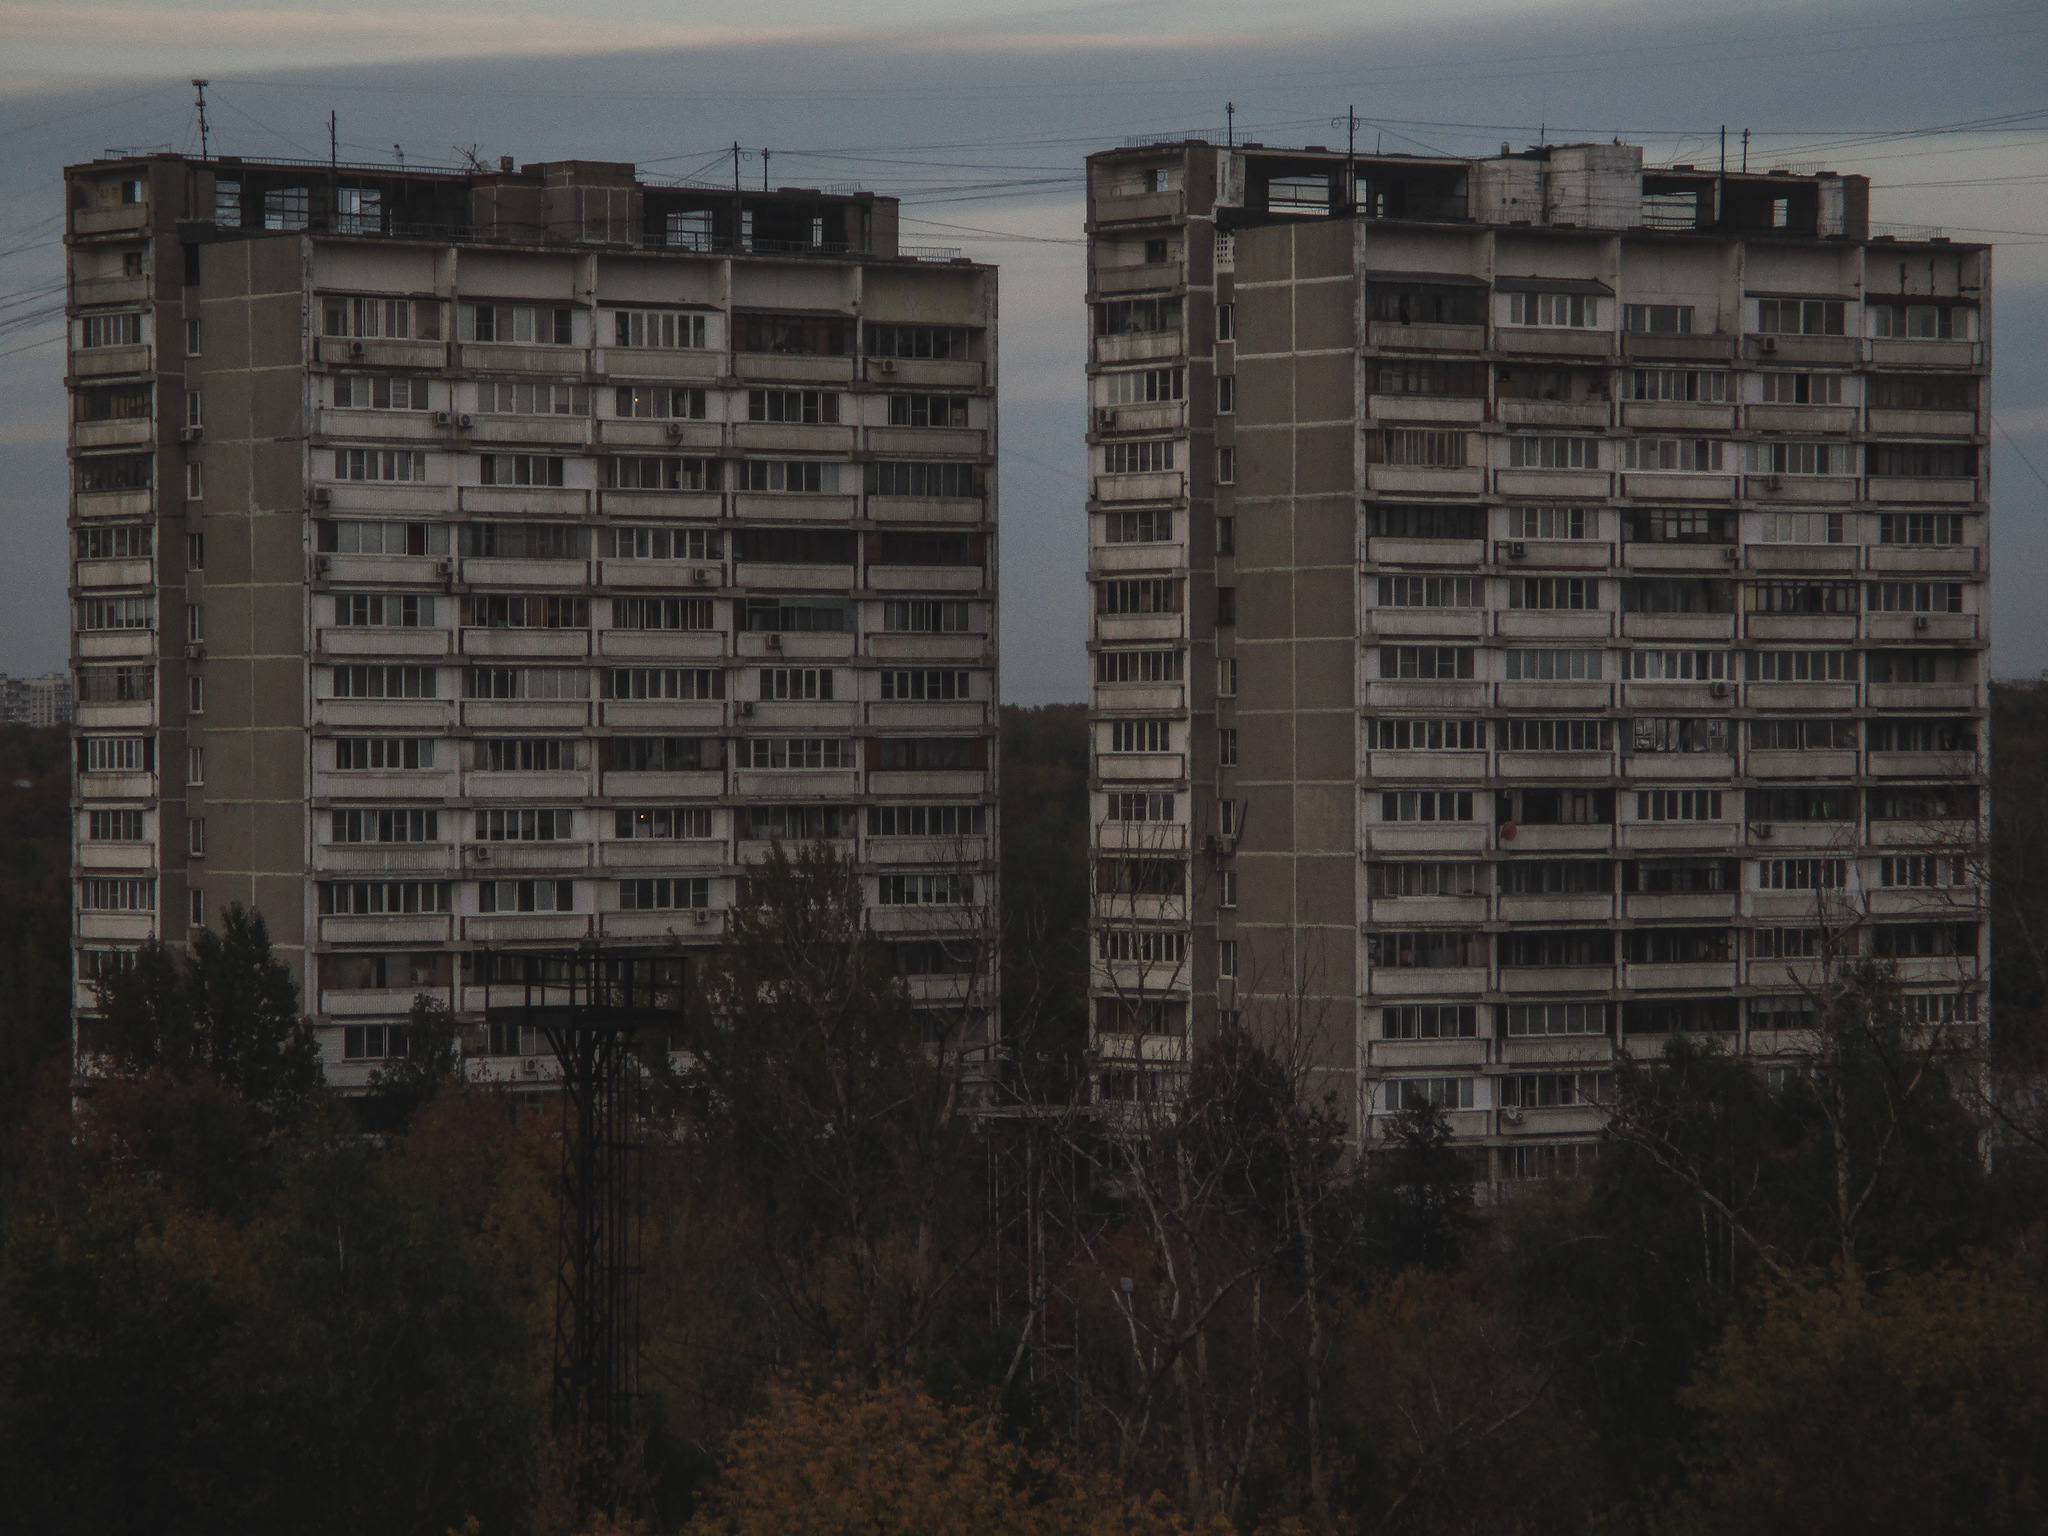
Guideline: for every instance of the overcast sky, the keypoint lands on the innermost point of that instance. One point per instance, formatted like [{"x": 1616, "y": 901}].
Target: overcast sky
[{"x": 978, "y": 115}]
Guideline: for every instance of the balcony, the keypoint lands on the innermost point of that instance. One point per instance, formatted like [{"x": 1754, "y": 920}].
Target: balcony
[
  {"x": 1712, "y": 976},
  {"x": 1665, "y": 485},
  {"x": 1800, "y": 490},
  {"x": 1458, "y": 553},
  {"x": 407, "y": 643},
  {"x": 108, "y": 362},
  {"x": 1802, "y": 765},
  {"x": 1920, "y": 626},
  {"x": 1565, "y": 484},
  {"x": 1678, "y": 767},
  {"x": 139, "y": 432},
  {"x": 526, "y": 714},
  {"x": 1412, "y": 623},
  {"x": 1956, "y": 559},
  {"x": 119, "y": 219},
  {"x": 689, "y": 645},
  {"x": 1145, "y": 277},
  {"x": 552, "y": 927},
  {"x": 1922, "y": 491},
  {"x": 1524, "y": 624},
  {"x": 1391, "y": 337},
  {"x": 522, "y": 644},
  {"x": 93, "y": 574},
  {"x": 1395, "y": 409},
  {"x": 1552, "y": 979},
  {"x": 1671, "y": 416},
  {"x": 1904, "y": 352},
  {"x": 1923, "y": 423},
  {"x": 663, "y": 715},
  {"x": 931, "y": 373},
  {"x": 642, "y": 854},
  {"x": 1137, "y": 208},
  {"x": 1803, "y": 557},
  {"x": 428, "y": 355},
  {"x": 1801, "y": 418},
  {"x": 1534, "y": 767},
  {"x": 1703, "y": 347},
  {"x": 1545, "y": 341},
  {"x": 1421, "y": 767},
  {"x": 1829, "y": 351},
  {"x": 1555, "y": 413},
  {"x": 657, "y": 363},
  {"x": 1447, "y": 981},
  {"x": 523, "y": 500},
  {"x": 1558, "y": 838},
  {"x": 1557, "y": 909},
  {"x": 533, "y": 431},
  {"x": 924, "y": 509}
]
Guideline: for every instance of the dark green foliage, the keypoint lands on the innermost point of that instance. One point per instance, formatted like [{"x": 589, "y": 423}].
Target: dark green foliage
[
  {"x": 1045, "y": 880},
  {"x": 35, "y": 915},
  {"x": 1418, "y": 1195},
  {"x": 427, "y": 1061},
  {"x": 229, "y": 1008}
]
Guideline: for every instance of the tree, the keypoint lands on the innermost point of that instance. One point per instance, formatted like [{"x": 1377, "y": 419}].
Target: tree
[
  {"x": 1843, "y": 1410},
  {"x": 1418, "y": 1194},
  {"x": 229, "y": 1008},
  {"x": 891, "y": 1462},
  {"x": 426, "y": 1060}
]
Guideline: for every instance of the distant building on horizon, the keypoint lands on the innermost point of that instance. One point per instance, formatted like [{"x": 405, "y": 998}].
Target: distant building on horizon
[
  {"x": 472, "y": 565},
  {"x": 44, "y": 700},
  {"x": 1534, "y": 596}
]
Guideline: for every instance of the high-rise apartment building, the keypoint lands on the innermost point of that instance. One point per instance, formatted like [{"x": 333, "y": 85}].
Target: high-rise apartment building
[
  {"x": 474, "y": 564},
  {"x": 1538, "y": 609}
]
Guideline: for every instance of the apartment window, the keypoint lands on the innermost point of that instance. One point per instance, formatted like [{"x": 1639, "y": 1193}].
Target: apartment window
[
  {"x": 1226, "y": 748},
  {"x": 917, "y": 685},
  {"x": 114, "y": 472},
  {"x": 506, "y": 397},
  {"x": 192, "y": 338},
  {"x": 1550, "y": 523},
  {"x": 519, "y": 324},
  {"x": 1226, "y": 889},
  {"x": 1684, "y": 455},
  {"x": 195, "y": 482},
  {"x": 916, "y": 410},
  {"x": 117, "y": 754},
  {"x": 121, "y": 328},
  {"x": 1801, "y": 874},
  {"x": 1152, "y": 526},
  {"x": 1405, "y": 1093},
  {"x": 1136, "y": 386},
  {"x": 681, "y": 683},
  {"x": 1426, "y": 735},
  {"x": 1799, "y": 459},
  {"x": 381, "y": 392},
  {"x": 1426, "y": 951},
  {"x": 367, "y": 538},
  {"x": 1522, "y": 735},
  {"x": 114, "y": 402},
  {"x": 1563, "y": 593},
  {"x": 1921, "y": 735},
  {"x": 952, "y": 342},
  {"x": 1138, "y": 666},
  {"x": 528, "y": 683},
  {"x": 399, "y": 464},
  {"x": 1678, "y": 805},
  {"x": 1226, "y": 322},
  {"x": 525, "y": 826},
  {"x": 1397, "y": 881},
  {"x": 1800, "y": 317},
  {"x": 1429, "y": 1021},
  {"x": 1418, "y": 448},
  {"x": 653, "y": 472},
  {"x": 1393, "y": 521},
  {"x": 1540, "y": 1019},
  {"x": 383, "y": 898},
  {"x": 1427, "y": 662},
  {"x": 793, "y": 823},
  {"x": 954, "y": 480},
  {"x": 517, "y": 468},
  {"x": 793, "y": 615},
  {"x": 1226, "y": 466},
  {"x": 1426, "y": 376},
  {"x": 652, "y": 542},
  {"x": 1919, "y": 871},
  {"x": 1425, "y": 303},
  {"x": 1150, "y": 456},
  {"x": 658, "y": 328},
  {"x": 122, "y": 684},
  {"x": 1914, "y": 596},
  {"x": 97, "y": 613},
  {"x": 392, "y": 826},
  {"x": 493, "y": 610},
  {"x": 934, "y": 889},
  {"x": 1140, "y": 736},
  {"x": 1803, "y": 802},
  {"x": 358, "y": 211},
  {"x": 528, "y": 895},
  {"x": 394, "y": 319},
  {"x": 926, "y": 820},
  {"x": 780, "y": 752},
  {"x": 1954, "y": 461},
  {"x": 1567, "y": 947},
  {"x": 1553, "y": 666},
  {"x": 113, "y": 826},
  {"x": 1800, "y": 527},
  {"x": 1556, "y": 877},
  {"x": 1147, "y": 946},
  {"x": 1684, "y": 385},
  {"x": 1226, "y": 677},
  {"x": 1924, "y": 802},
  {"x": 1802, "y": 666},
  {"x": 1226, "y": 606},
  {"x": 1140, "y": 317},
  {"x": 194, "y": 410},
  {"x": 1657, "y": 319},
  {"x": 1143, "y": 595},
  {"x": 195, "y": 765},
  {"x": 1800, "y": 597},
  {"x": 1226, "y": 395},
  {"x": 1802, "y": 734},
  {"x": 1677, "y": 595},
  {"x": 1919, "y": 528},
  {"x": 660, "y": 754},
  {"x": 688, "y": 893},
  {"x": 1924, "y": 322},
  {"x": 524, "y": 754},
  {"x": 1432, "y": 592},
  {"x": 1921, "y": 392},
  {"x": 353, "y": 753},
  {"x": 195, "y": 551},
  {"x": 807, "y": 407},
  {"x": 117, "y": 541},
  {"x": 1802, "y": 388},
  {"x": 925, "y": 616},
  {"x": 664, "y": 822},
  {"x": 1426, "y": 805},
  {"x": 1918, "y": 941},
  {"x": 101, "y": 894},
  {"x": 1226, "y": 535},
  {"x": 286, "y": 207},
  {"x": 364, "y": 682},
  {"x": 376, "y": 610},
  {"x": 1139, "y": 805},
  {"x": 1572, "y": 311},
  {"x": 795, "y": 684}
]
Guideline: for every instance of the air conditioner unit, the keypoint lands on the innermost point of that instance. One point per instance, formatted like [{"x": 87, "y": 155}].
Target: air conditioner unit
[
  {"x": 195, "y": 652},
  {"x": 1773, "y": 483},
  {"x": 446, "y": 567},
  {"x": 1763, "y": 830},
  {"x": 465, "y": 420},
  {"x": 1769, "y": 344},
  {"x": 700, "y": 916},
  {"x": 888, "y": 365},
  {"x": 703, "y": 577},
  {"x": 1719, "y": 690},
  {"x": 1105, "y": 419},
  {"x": 444, "y": 418},
  {"x": 532, "y": 1066},
  {"x": 322, "y": 564},
  {"x": 357, "y": 349},
  {"x": 1732, "y": 555},
  {"x": 189, "y": 434},
  {"x": 1919, "y": 621},
  {"x": 774, "y": 641},
  {"x": 746, "y": 708},
  {"x": 1517, "y": 550},
  {"x": 322, "y": 496},
  {"x": 1511, "y": 1117},
  {"x": 675, "y": 429},
  {"x": 481, "y": 853}
]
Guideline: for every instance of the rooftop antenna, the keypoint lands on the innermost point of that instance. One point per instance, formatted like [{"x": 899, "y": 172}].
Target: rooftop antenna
[
  {"x": 1745, "y": 151},
  {"x": 764, "y": 170},
  {"x": 333, "y": 140},
  {"x": 399, "y": 150},
  {"x": 735, "y": 165},
  {"x": 201, "y": 86},
  {"x": 1230, "y": 125}
]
